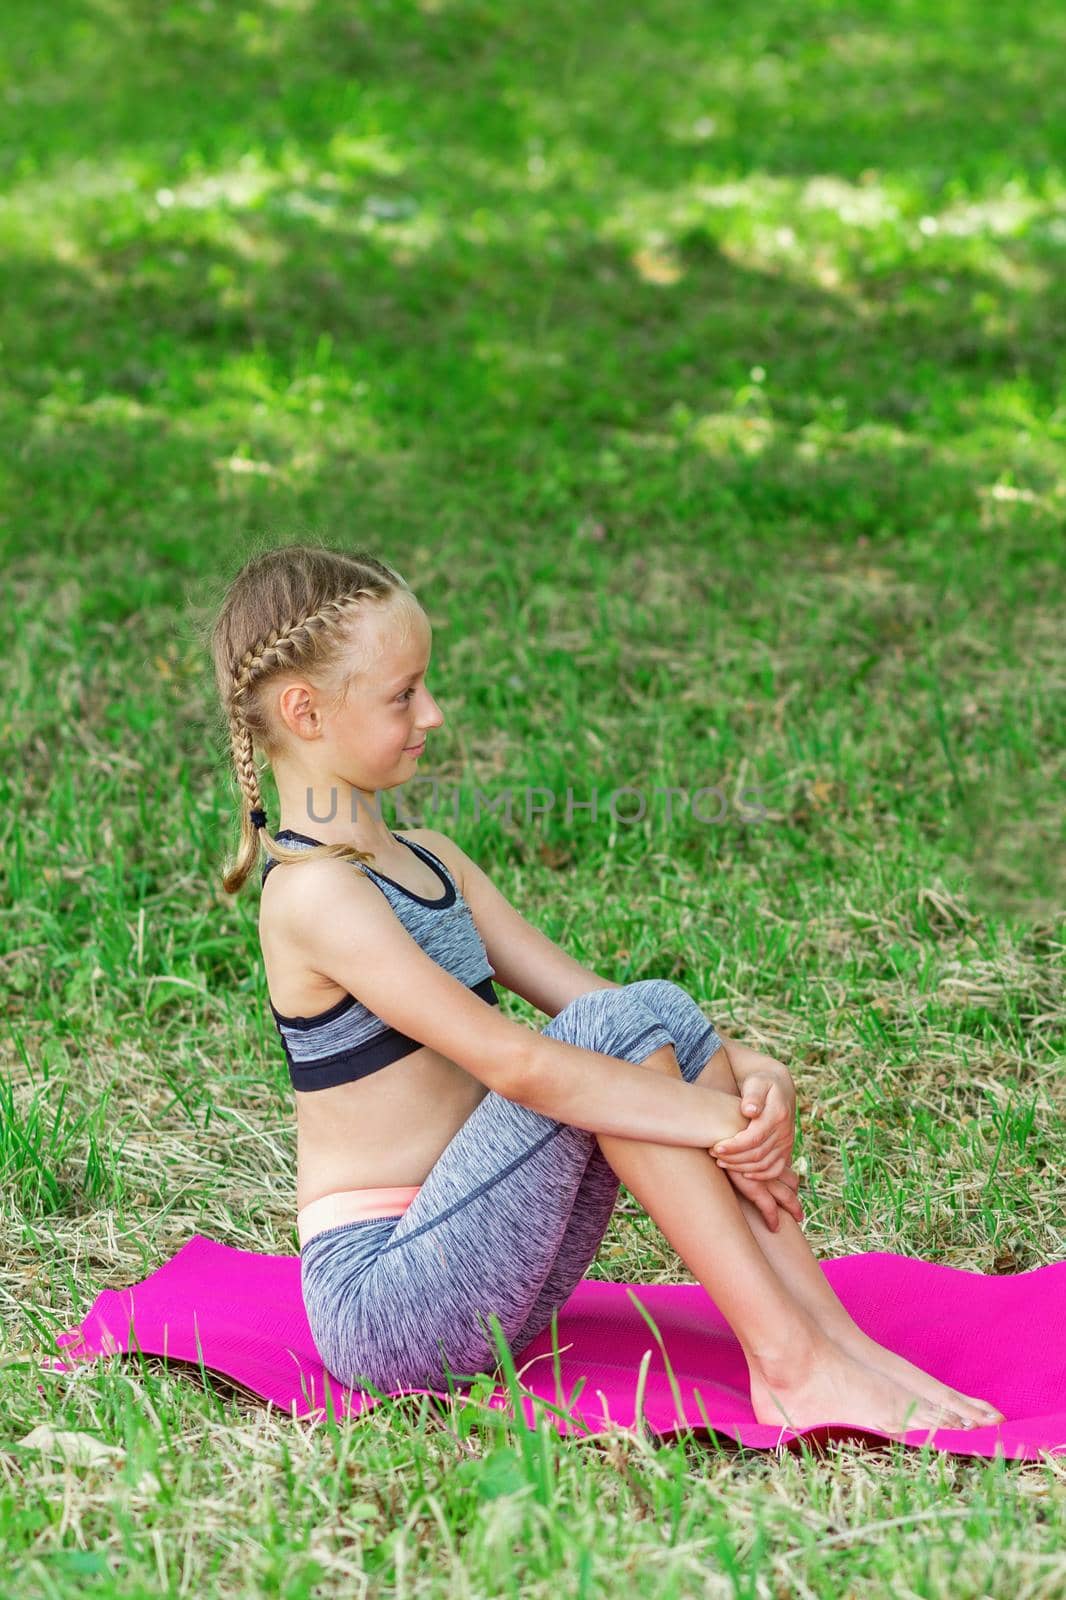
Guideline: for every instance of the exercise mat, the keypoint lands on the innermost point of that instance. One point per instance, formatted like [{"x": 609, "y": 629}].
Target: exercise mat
[{"x": 240, "y": 1314}]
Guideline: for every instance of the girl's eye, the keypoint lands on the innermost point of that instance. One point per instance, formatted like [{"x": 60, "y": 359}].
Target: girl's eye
[{"x": 405, "y": 694}]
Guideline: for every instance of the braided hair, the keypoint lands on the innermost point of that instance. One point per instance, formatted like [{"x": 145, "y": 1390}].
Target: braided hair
[{"x": 293, "y": 608}]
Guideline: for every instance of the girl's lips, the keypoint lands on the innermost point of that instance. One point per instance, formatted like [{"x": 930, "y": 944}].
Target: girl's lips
[{"x": 415, "y": 749}]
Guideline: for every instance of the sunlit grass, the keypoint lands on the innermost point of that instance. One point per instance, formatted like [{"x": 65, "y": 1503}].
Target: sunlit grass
[{"x": 701, "y": 372}]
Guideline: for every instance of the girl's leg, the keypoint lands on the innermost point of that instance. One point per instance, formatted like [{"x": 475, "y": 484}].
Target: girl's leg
[
  {"x": 482, "y": 1234},
  {"x": 694, "y": 1041},
  {"x": 486, "y": 1227},
  {"x": 798, "y": 1373},
  {"x": 787, "y": 1250}
]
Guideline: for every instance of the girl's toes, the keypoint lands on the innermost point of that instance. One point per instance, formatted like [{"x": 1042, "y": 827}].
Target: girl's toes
[{"x": 989, "y": 1415}]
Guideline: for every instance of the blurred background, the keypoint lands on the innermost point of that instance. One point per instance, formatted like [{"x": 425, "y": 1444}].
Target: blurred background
[{"x": 701, "y": 369}]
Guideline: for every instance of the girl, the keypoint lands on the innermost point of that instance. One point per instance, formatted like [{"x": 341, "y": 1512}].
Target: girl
[{"x": 452, "y": 1162}]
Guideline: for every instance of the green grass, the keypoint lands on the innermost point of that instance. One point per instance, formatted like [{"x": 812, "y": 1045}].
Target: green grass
[{"x": 700, "y": 369}]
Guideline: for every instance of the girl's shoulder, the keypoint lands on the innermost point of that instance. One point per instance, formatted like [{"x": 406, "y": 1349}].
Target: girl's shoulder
[
  {"x": 284, "y": 893},
  {"x": 317, "y": 879}
]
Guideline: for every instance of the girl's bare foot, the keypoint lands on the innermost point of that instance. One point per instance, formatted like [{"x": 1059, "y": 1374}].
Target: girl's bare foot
[
  {"x": 835, "y": 1387},
  {"x": 860, "y": 1347}
]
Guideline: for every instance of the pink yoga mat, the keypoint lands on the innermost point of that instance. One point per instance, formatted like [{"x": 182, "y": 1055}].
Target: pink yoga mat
[{"x": 241, "y": 1314}]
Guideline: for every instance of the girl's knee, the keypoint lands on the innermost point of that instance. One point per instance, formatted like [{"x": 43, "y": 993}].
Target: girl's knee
[
  {"x": 587, "y": 1009},
  {"x": 660, "y": 995},
  {"x": 694, "y": 1034},
  {"x": 650, "y": 986},
  {"x": 601, "y": 1019}
]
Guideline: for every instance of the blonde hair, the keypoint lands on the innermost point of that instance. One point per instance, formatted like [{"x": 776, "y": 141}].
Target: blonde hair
[{"x": 293, "y": 608}]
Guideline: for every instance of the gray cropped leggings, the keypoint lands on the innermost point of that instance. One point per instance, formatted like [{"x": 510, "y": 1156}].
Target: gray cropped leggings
[{"x": 506, "y": 1221}]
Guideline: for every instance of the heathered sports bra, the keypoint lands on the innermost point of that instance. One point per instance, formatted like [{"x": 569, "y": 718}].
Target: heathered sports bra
[{"x": 349, "y": 1041}]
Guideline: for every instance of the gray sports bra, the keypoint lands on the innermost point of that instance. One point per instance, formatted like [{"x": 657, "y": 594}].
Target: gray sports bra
[{"x": 349, "y": 1041}]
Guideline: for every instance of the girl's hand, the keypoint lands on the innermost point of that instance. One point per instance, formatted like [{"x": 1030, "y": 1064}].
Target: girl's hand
[
  {"x": 767, "y": 1196},
  {"x": 763, "y": 1149}
]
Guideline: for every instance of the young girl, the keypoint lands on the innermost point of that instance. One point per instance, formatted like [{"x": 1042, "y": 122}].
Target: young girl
[{"x": 453, "y": 1162}]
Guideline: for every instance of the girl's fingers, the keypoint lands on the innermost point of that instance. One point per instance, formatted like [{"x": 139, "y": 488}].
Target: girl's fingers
[
  {"x": 786, "y": 1197},
  {"x": 762, "y": 1174},
  {"x": 760, "y": 1196},
  {"x": 770, "y": 1198},
  {"x": 745, "y": 1144},
  {"x": 771, "y": 1167},
  {"x": 751, "y": 1164},
  {"x": 754, "y": 1135}
]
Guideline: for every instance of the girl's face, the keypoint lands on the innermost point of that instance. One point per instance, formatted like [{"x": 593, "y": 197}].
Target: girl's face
[{"x": 378, "y": 730}]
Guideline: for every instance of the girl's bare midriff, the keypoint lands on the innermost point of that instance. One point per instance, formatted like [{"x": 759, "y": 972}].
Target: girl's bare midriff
[
  {"x": 389, "y": 1128},
  {"x": 383, "y": 1131}
]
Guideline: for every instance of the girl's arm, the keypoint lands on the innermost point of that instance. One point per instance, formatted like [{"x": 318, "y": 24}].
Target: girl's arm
[{"x": 743, "y": 1061}]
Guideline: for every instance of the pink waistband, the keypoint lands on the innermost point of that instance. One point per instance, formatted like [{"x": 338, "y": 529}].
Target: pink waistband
[{"x": 352, "y": 1205}]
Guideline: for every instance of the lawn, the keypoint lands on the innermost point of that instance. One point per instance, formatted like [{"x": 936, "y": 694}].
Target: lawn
[{"x": 701, "y": 369}]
